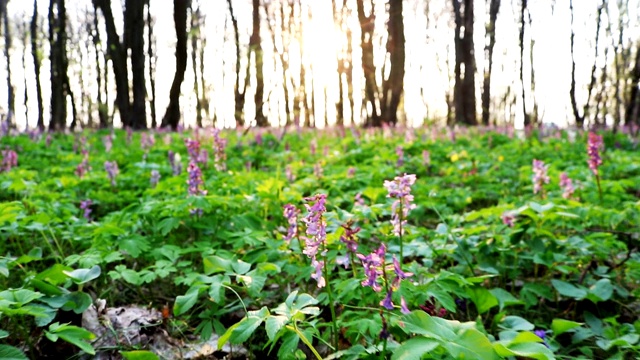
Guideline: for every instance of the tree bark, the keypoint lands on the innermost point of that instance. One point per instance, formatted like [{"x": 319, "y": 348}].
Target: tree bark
[
  {"x": 134, "y": 41},
  {"x": 572, "y": 90},
  {"x": 632, "y": 114},
  {"x": 153, "y": 58},
  {"x": 490, "y": 42},
  {"x": 172, "y": 115},
  {"x": 36, "y": 63},
  {"x": 464, "y": 97},
  {"x": 11, "y": 98},
  {"x": 58, "y": 58},
  {"x": 255, "y": 45},
  {"x": 367, "y": 25},
  {"x": 118, "y": 55},
  {"x": 239, "y": 94},
  {"x": 194, "y": 34},
  {"x": 393, "y": 86}
]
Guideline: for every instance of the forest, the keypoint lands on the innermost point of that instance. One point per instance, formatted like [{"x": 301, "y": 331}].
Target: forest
[{"x": 305, "y": 179}]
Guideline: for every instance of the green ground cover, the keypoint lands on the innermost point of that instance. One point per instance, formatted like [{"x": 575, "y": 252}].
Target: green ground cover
[{"x": 465, "y": 262}]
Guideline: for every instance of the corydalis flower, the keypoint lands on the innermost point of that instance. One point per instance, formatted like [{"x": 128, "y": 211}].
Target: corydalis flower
[
  {"x": 111, "y": 167},
  {"x": 193, "y": 148},
  {"x": 593, "y": 150},
  {"x": 567, "y": 186},
  {"x": 83, "y": 167},
  {"x": 195, "y": 181},
  {"x": 9, "y": 160},
  {"x": 85, "y": 205},
  {"x": 147, "y": 141},
  {"x": 508, "y": 218},
  {"x": 426, "y": 158},
  {"x": 289, "y": 174},
  {"x": 400, "y": 189},
  {"x": 219, "y": 146},
  {"x": 155, "y": 177},
  {"x": 540, "y": 176},
  {"x": 107, "y": 141},
  {"x": 400, "y": 275},
  {"x": 349, "y": 236},
  {"x": 373, "y": 264},
  {"x": 317, "y": 170},
  {"x": 316, "y": 232},
  {"x": 400, "y": 154},
  {"x": 175, "y": 162},
  {"x": 290, "y": 213}
]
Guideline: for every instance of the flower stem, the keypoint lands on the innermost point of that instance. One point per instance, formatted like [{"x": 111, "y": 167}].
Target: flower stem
[
  {"x": 400, "y": 234},
  {"x": 599, "y": 187},
  {"x": 334, "y": 322}
]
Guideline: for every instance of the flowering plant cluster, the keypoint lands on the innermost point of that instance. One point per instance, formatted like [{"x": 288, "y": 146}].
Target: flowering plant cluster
[
  {"x": 540, "y": 176},
  {"x": 9, "y": 160},
  {"x": 400, "y": 189},
  {"x": 111, "y": 167},
  {"x": 175, "y": 162},
  {"x": 84, "y": 166},
  {"x": 594, "y": 145},
  {"x": 567, "y": 186},
  {"x": 219, "y": 146}
]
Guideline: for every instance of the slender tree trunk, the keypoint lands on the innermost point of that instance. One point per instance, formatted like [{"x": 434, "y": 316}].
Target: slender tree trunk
[
  {"x": 526, "y": 116},
  {"x": 36, "y": 63},
  {"x": 57, "y": 39},
  {"x": 103, "y": 107},
  {"x": 572, "y": 91},
  {"x": 393, "y": 86},
  {"x": 592, "y": 80},
  {"x": 11, "y": 97},
  {"x": 239, "y": 94},
  {"x": 490, "y": 42},
  {"x": 367, "y": 26},
  {"x": 464, "y": 89},
  {"x": 632, "y": 114},
  {"x": 194, "y": 34},
  {"x": 134, "y": 41},
  {"x": 118, "y": 55},
  {"x": 255, "y": 44},
  {"x": 151, "y": 41},
  {"x": 172, "y": 115}
]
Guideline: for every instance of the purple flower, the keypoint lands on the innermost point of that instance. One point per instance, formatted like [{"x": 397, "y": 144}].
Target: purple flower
[
  {"x": 426, "y": 158},
  {"x": 86, "y": 206},
  {"x": 84, "y": 166},
  {"x": 373, "y": 264},
  {"x": 313, "y": 145},
  {"x": 48, "y": 140},
  {"x": 400, "y": 189},
  {"x": 155, "y": 177},
  {"x": 386, "y": 302},
  {"x": 508, "y": 218},
  {"x": 9, "y": 160},
  {"x": 290, "y": 213},
  {"x": 351, "y": 172},
  {"x": 195, "y": 181},
  {"x": 219, "y": 146},
  {"x": 175, "y": 162},
  {"x": 111, "y": 167},
  {"x": 193, "y": 148},
  {"x": 540, "y": 333},
  {"x": 400, "y": 275},
  {"x": 567, "y": 186},
  {"x": 593, "y": 150},
  {"x": 349, "y": 236},
  {"x": 147, "y": 141},
  {"x": 316, "y": 232},
  {"x": 400, "y": 154},
  {"x": 540, "y": 176},
  {"x": 317, "y": 170},
  {"x": 403, "y": 306},
  {"x": 289, "y": 174},
  {"x": 107, "y": 141}
]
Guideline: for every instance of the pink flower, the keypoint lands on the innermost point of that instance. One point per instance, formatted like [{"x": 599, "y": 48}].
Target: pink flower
[
  {"x": 567, "y": 186},
  {"x": 508, "y": 218},
  {"x": 9, "y": 160},
  {"x": 593, "y": 150},
  {"x": 400, "y": 189},
  {"x": 540, "y": 176}
]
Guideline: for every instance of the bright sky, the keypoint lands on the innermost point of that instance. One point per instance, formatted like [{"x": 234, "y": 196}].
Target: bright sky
[{"x": 428, "y": 49}]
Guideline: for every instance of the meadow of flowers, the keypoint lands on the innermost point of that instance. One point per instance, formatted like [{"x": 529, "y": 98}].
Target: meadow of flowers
[{"x": 384, "y": 243}]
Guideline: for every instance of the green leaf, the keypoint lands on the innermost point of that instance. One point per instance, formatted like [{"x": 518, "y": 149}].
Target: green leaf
[
  {"x": 516, "y": 323},
  {"x": 273, "y": 324},
  {"x": 569, "y": 290},
  {"x": 241, "y": 331},
  {"x": 240, "y": 267},
  {"x": 81, "y": 276},
  {"x": 134, "y": 245},
  {"x": 526, "y": 350},
  {"x": 415, "y": 348},
  {"x": 3, "y": 334},
  {"x": 505, "y": 298},
  {"x": 213, "y": 264},
  {"x": 11, "y": 353},
  {"x": 139, "y": 355},
  {"x": 71, "y": 334},
  {"x": 20, "y": 296},
  {"x": 185, "y": 302},
  {"x": 602, "y": 290},
  {"x": 216, "y": 289},
  {"x": 470, "y": 344},
  {"x": 560, "y": 326},
  {"x": 482, "y": 298}
]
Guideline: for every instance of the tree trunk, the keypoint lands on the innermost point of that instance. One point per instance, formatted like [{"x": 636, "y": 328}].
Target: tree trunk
[
  {"x": 57, "y": 39},
  {"x": 239, "y": 94},
  {"x": 134, "y": 41},
  {"x": 367, "y": 25},
  {"x": 153, "y": 58},
  {"x": 103, "y": 107},
  {"x": 36, "y": 63},
  {"x": 490, "y": 42},
  {"x": 525, "y": 114},
  {"x": 632, "y": 114},
  {"x": 464, "y": 97},
  {"x": 393, "y": 86},
  {"x": 194, "y": 34},
  {"x": 118, "y": 55},
  {"x": 172, "y": 115},
  {"x": 572, "y": 91},
  {"x": 11, "y": 98},
  {"x": 255, "y": 45}
]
